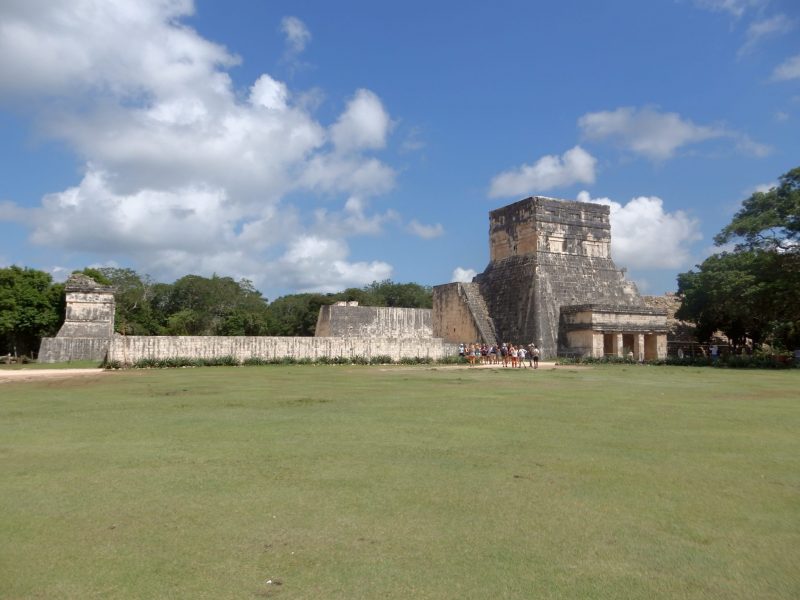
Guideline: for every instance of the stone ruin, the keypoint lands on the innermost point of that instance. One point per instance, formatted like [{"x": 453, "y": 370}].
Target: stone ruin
[
  {"x": 551, "y": 281},
  {"x": 88, "y": 325}
]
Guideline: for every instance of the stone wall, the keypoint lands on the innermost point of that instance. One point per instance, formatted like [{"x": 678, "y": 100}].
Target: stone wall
[
  {"x": 678, "y": 331},
  {"x": 461, "y": 315},
  {"x": 63, "y": 349},
  {"x": 373, "y": 321},
  {"x": 129, "y": 349}
]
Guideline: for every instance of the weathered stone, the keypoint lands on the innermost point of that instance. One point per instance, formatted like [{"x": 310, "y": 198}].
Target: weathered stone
[
  {"x": 129, "y": 349},
  {"x": 346, "y": 320},
  {"x": 88, "y": 325},
  {"x": 547, "y": 254}
]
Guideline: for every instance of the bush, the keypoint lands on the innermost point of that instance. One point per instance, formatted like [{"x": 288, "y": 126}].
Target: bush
[
  {"x": 453, "y": 360},
  {"x": 254, "y": 361},
  {"x": 383, "y": 359}
]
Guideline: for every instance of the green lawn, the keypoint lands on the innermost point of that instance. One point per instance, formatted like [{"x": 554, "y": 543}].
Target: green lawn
[{"x": 397, "y": 482}]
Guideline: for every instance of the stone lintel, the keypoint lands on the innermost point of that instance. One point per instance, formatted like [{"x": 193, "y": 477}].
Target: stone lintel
[{"x": 609, "y": 308}]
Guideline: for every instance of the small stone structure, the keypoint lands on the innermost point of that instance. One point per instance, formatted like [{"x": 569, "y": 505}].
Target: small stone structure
[
  {"x": 88, "y": 325},
  {"x": 348, "y": 319},
  {"x": 601, "y": 330},
  {"x": 551, "y": 281}
]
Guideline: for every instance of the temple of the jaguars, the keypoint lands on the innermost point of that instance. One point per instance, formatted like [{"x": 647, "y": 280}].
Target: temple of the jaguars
[{"x": 550, "y": 281}]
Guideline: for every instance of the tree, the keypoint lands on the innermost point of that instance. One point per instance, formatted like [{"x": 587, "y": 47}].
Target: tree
[
  {"x": 296, "y": 314},
  {"x": 132, "y": 295},
  {"x": 768, "y": 220},
  {"x": 31, "y": 307},
  {"x": 752, "y": 292}
]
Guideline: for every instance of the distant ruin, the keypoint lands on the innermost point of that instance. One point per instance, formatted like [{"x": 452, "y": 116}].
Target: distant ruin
[
  {"x": 88, "y": 325},
  {"x": 551, "y": 281}
]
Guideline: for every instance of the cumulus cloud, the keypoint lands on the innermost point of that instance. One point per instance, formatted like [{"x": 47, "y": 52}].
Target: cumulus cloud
[
  {"x": 645, "y": 236},
  {"x": 363, "y": 125},
  {"x": 426, "y": 232},
  {"x": 658, "y": 135},
  {"x": 318, "y": 264},
  {"x": 550, "y": 171},
  {"x": 185, "y": 173},
  {"x": 463, "y": 275},
  {"x": 788, "y": 69}
]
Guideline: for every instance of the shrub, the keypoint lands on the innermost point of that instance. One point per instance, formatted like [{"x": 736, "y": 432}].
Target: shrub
[
  {"x": 383, "y": 359},
  {"x": 255, "y": 361},
  {"x": 453, "y": 360}
]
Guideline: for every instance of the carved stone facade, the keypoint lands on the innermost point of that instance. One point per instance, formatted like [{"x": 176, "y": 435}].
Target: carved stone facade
[{"x": 547, "y": 255}]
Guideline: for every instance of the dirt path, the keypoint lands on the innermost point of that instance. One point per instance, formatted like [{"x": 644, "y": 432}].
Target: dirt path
[{"x": 7, "y": 375}]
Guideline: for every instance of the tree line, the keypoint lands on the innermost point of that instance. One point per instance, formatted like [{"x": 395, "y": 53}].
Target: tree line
[{"x": 32, "y": 305}]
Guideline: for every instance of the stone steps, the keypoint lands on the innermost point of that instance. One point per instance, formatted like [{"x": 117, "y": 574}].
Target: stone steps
[{"x": 480, "y": 313}]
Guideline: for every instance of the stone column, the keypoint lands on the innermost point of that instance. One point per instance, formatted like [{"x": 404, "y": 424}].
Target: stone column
[
  {"x": 618, "y": 349},
  {"x": 638, "y": 347}
]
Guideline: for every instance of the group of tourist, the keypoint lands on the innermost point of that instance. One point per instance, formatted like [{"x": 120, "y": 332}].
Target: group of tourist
[{"x": 506, "y": 354}]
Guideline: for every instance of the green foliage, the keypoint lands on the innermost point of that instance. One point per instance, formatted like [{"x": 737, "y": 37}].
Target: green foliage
[
  {"x": 295, "y": 314},
  {"x": 752, "y": 293},
  {"x": 31, "y": 307},
  {"x": 768, "y": 220},
  {"x": 96, "y": 274}
]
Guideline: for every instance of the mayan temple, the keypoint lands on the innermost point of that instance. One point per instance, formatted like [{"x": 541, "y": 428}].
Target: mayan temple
[{"x": 551, "y": 281}]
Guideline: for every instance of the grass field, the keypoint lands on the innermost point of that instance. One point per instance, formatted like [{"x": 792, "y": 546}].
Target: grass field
[{"x": 397, "y": 482}]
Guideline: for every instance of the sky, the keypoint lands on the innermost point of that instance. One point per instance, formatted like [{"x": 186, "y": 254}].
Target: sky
[{"x": 315, "y": 146}]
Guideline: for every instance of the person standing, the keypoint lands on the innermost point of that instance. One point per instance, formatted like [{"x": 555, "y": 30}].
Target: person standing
[{"x": 535, "y": 356}]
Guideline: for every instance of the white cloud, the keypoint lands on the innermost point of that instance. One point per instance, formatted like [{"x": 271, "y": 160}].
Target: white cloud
[
  {"x": 735, "y": 8},
  {"x": 297, "y": 34},
  {"x": 463, "y": 275},
  {"x": 352, "y": 220},
  {"x": 364, "y": 124},
  {"x": 658, "y": 135},
  {"x": 318, "y": 264},
  {"x": 551, "y": 171},
  {"x": 646, "y": 131},
  {"x": 184, "y": 172},
  {"x": 764, "y": 29},
  {"x": 426, "y": 232},
  {"x": 269, "y": 93},
  {"x": 645, "y": 236},
  {"x": 788, "y": 69}
]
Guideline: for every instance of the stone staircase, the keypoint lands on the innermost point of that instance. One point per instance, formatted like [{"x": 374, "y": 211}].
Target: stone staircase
[{"x": 480, "y": 314}]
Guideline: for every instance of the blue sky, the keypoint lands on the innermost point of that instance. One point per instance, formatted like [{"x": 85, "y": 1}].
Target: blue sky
[{"x": 322, "y": 145}]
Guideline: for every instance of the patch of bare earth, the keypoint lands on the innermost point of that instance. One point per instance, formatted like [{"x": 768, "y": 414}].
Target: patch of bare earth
[{"x": 8, "y": 375}]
